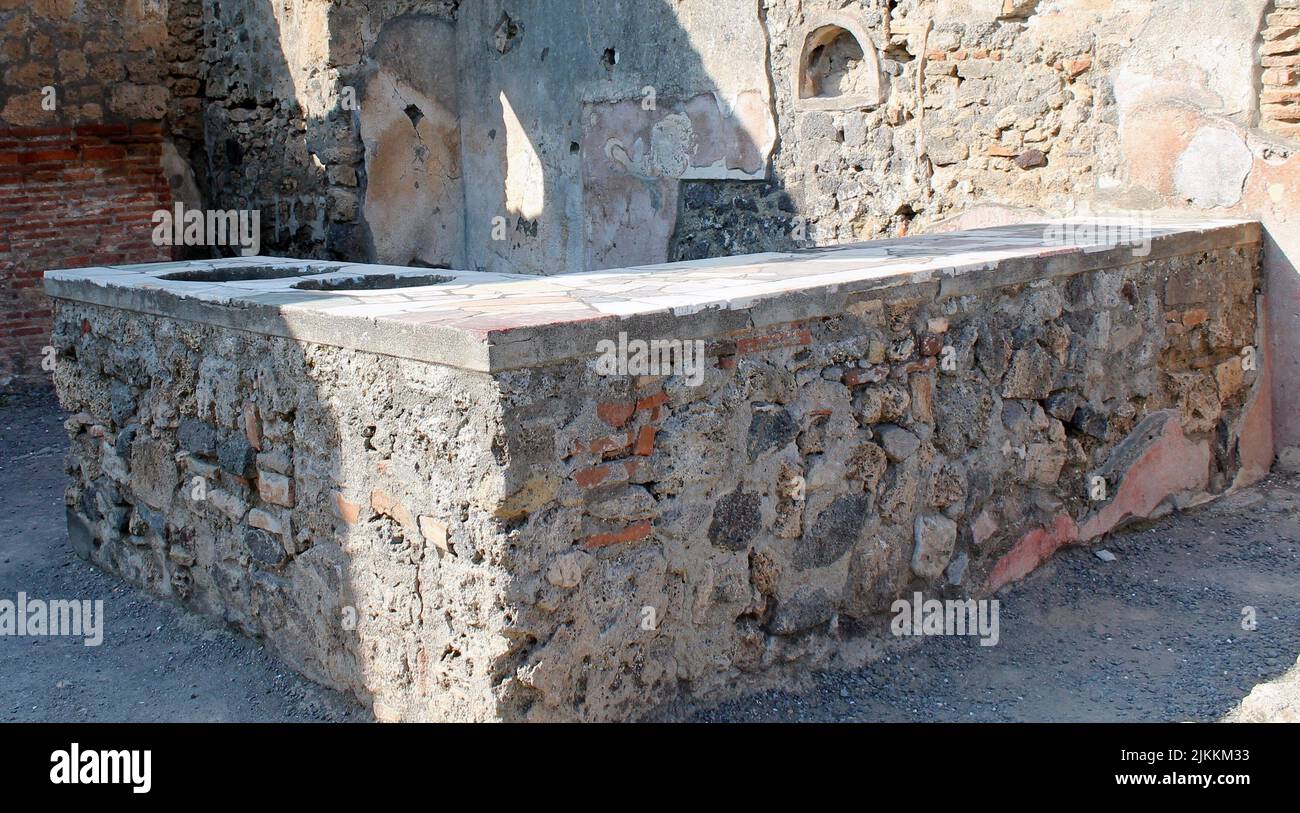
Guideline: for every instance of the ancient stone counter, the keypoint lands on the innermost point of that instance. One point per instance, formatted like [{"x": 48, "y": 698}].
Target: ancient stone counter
[{"x": 465, "y": 496}]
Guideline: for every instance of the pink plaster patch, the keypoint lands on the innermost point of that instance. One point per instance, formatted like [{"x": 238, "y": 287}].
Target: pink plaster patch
[
  {"x": 1032, "y": 550},
  {"x": 1170, "y": 465}
]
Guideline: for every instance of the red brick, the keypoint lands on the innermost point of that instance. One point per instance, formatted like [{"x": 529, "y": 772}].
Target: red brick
[
  {"x": 587, "y": 478},
  {"x": 103, "y": 129},
  {"x": 652, "y": 401},
  {"x": 631, "y": 533},
  {"x": 57, "y": 209},
  {"x": 602, "y": 445},
  {"x": 42, "y": 156},
  {"x": 645, "y": 441},
  {"x": 615, "y": 413},
  {"x": 791, "y": 338},
  {"x": 604, "y": 474},
  {"x": 109, "y": 153},
  {"x": 927, "y": 363},
  {"x": 860, "y": 376}
]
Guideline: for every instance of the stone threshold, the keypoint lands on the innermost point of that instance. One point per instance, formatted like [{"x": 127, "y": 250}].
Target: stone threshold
[{"x": 491, "y": 322}]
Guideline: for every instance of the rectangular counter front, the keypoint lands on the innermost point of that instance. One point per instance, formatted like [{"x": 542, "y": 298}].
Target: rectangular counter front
[{"x": 471, "y": 496}]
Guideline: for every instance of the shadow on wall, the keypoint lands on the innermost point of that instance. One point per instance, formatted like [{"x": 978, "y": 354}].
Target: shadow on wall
[
  {"x": 326, "y": 501},
  {"x": 348, "y": 508},
  {"x": 575, "y": 146},
  {"x": 590, "y": 136}
]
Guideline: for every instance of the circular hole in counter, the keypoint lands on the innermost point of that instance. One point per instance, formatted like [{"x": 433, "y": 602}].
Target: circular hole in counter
[
  {"x": 243, "y": 273},
  {"x": 372, "y": 282}
]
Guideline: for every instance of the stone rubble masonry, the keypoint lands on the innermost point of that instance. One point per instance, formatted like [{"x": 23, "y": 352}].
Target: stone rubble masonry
[
  {"x": 544, "y": 542},
  {"x": 986, "y": 112}
]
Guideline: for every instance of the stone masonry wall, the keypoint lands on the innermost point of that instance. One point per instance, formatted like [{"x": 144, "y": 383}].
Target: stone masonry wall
[
  {"x": 825, "y": 468},
  {"x": 285, "y": 83},
  {"x": 555, "y": 544},
  {"x": 982, "y": 111},
  {"x": 980, "y": 104},
  {"x": 325, "y": 501}
]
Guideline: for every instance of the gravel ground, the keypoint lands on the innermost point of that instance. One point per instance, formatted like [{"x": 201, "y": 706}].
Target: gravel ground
[{"x": 1155, "y": 635}]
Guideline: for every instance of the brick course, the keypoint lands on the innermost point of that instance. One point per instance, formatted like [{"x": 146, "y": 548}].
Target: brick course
[
  {"x": 1279, "y": 54},
  {"x": 69, "y": 196}
]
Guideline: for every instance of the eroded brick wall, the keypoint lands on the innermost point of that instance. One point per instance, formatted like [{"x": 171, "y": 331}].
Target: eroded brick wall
[
  {"x": 1279, "y": 58},
  {"x": 99, "y": 117},
  {"x": 69, "y": 197}
]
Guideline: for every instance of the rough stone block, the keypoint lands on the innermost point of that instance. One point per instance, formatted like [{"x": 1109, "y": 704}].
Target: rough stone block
[
  {"x": 275, "y": 488},
  {"x": 898, "y": 443},
  {"x": 934, "y": 538},
  {"x": 237, "y": 456}
]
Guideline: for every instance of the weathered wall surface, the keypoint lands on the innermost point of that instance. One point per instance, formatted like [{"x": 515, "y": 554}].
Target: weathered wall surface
[
  {"x": 825, "y": 468},
  {"x": 682, "y": 130},
  {"x": 410, "y": 125},
  {"x": 99, "y": 124},
  {"x": 555, "y": 543},
  {"x": 328, "y": 502},
  {"x": 581, "y": 141},
  {"x": 69, "y": 197},
  {"x": 1198, "y": 145},
  {"x": 107, "y": 60},
  {"x": 575, "y": 144},
  {"x": 336, "y": 119}
]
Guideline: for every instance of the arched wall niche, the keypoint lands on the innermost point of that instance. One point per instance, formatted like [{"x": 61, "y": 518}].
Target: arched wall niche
[{"x": 839, "y": 64}]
